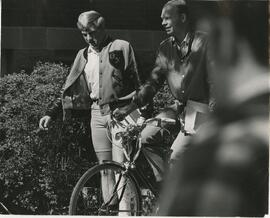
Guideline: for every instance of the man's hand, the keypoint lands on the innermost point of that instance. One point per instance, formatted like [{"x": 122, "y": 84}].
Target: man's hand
[
  {"x": 44, "y": 122},
  {"x": 177, "y": 107},
  {"x": 120, "y": 113}
]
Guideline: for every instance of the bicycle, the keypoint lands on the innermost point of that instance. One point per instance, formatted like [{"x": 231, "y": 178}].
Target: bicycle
[
  {"x": 3, "y": 209},
  {"x": 86, "y": 199}
]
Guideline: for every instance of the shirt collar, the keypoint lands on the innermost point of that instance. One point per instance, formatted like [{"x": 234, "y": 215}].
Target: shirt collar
[
  {"x": 185, "y": 41},
  {"x": 185, "y": 45},
  {"x": 107, "y": 39},
  {"x": 91, "y": 49}
]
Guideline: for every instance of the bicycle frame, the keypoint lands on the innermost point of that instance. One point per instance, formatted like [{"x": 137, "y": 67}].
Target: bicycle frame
[
  {"x": 148, "y": 183},
  {"x": 136, "y": 172},
  {"x": 129, "y": 175},
  {"x": 132, "y": 167}
]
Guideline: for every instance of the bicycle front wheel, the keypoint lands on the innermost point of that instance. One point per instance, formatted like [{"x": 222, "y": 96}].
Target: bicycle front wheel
[{"x": 106, "y": 189}]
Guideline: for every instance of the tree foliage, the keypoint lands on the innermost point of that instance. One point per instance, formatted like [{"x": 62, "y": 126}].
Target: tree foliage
[{"x": 40, "y": 168}]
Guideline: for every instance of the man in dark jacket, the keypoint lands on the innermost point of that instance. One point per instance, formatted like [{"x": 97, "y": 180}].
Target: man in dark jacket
[
  {"x": 226, "y": 170},
  {"x": 182, "y": 61}
]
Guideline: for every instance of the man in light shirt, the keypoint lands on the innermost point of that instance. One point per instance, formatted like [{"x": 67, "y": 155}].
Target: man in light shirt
[{"x": 102, "y": 78}]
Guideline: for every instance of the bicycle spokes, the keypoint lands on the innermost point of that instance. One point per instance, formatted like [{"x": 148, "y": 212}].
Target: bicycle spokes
[
  {"x": 113, "y": 197},
  {"x": 123, "y": 190}
]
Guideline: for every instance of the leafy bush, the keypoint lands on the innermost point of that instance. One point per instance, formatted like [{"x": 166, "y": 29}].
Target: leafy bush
[
  {"x": 39, "y": 169},
  {"x": 162, "y": 99}
]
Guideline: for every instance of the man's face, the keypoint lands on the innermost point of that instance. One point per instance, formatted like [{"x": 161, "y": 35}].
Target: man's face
[
  {"x": 92, "y": 35},
  {"x": 171, "y": 21}
]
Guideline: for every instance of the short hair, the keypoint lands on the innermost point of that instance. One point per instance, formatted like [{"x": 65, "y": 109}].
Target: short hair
[
  {"x": 94, "y": 20},
  {"x": 181, "y": 6}
]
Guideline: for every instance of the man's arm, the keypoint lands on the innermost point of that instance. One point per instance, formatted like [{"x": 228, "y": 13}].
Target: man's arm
[
  {"x": 50, "y": 114},
  {"x": 132, "y": 68},
  {"x": 55, "y": 109},
  {"x": 146, "y": 92}
]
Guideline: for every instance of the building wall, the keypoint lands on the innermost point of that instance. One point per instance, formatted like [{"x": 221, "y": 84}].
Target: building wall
[
  {"x": 45, "y": 30},
  {"x": 120, "y": 14},
  {"x": 22, "y": 47}
]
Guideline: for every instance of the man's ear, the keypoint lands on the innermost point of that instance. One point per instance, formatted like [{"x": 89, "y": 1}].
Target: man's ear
[{"x": 183, "y": 18}]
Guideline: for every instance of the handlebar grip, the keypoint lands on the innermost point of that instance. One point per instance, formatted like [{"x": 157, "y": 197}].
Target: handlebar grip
[
  {"x": 162, "y": 120},
  {"x": 168, "y": 120}
]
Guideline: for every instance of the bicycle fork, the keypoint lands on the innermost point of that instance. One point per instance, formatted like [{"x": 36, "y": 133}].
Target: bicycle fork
[{"x": 119, "y": 190}]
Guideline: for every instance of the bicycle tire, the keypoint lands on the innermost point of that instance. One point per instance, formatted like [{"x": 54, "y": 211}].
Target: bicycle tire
[{"x": 82, "y": 202}]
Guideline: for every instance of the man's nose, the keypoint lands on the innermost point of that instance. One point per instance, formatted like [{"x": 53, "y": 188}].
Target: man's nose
[
  {"x": 163, "y": 23},
  {"x": 89, "y": 38}
]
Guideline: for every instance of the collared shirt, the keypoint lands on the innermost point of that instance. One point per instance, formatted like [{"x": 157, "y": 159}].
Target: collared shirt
[
  {"x": 92, "y": 72},
  {"x": 185, "y": 70},
  {"x": 183, "y": 48},
  {"x": 185, "y": 67}
]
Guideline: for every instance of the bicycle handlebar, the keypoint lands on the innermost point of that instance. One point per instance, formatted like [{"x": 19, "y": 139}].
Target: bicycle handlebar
[{"x": 161, "y": 120}]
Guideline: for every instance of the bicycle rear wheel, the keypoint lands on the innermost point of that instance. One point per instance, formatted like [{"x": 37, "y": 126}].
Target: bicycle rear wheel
[{"x": 124, "y": 197}]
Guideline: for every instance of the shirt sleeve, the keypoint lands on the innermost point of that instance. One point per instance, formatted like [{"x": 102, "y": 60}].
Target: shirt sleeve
[
  {"x": 132, "y": 68},
  {"x": 56, "y": 107},
  {"x": 147, "y": 91}
]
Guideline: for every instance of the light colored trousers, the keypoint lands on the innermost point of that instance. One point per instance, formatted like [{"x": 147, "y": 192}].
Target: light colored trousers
[
  {"x": 107, "y": 145},
  {"x": 153, "y": 137}
]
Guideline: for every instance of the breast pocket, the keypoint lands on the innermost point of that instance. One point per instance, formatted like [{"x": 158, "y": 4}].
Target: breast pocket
[{"x": 116, "y": 59}]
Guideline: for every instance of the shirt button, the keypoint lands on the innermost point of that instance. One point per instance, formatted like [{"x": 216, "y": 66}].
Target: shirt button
[
  {"x": 183, "y": 91},
  {"x": 183, "y": 76}
]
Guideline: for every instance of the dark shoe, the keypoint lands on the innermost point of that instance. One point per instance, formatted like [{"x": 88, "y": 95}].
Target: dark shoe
[
  {"x": 113, "y": 209},
  {"x": 109, "y": 210}
]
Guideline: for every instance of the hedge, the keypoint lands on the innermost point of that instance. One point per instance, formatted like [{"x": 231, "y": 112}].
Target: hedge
[{"x": 40, "y": 168}]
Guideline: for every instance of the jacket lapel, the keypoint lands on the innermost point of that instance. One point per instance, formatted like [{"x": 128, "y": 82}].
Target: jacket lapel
[
  {"x": 76, "y": 69},
  {"x": 80, "y": 63}
]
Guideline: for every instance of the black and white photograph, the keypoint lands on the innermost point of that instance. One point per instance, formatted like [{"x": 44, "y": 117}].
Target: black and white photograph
[{"x": 134, "y": 108}]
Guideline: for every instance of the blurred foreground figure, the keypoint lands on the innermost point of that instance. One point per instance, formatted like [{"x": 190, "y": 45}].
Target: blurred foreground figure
[{"x": 225, "y": 173}]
